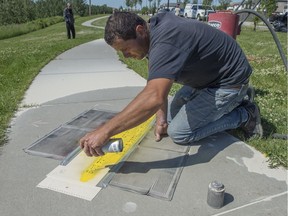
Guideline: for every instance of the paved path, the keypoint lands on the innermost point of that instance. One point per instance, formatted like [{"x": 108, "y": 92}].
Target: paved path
[
  {"x": 91, "y": 75},
  {"x": 89, "y": 22}
]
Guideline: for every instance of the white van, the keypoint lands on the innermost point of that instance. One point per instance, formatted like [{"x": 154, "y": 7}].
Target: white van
[{"x": 197, "y": 11}]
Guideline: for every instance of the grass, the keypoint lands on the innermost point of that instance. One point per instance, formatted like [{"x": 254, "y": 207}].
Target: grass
[
  {"x": 22, "y": 57},
  {"x": 8, "y": 31},
  {"x": 270, "y": 81},
  {"x": 100, "y": 22}
]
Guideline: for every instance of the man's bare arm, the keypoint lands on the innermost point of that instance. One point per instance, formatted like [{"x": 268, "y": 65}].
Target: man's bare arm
[
  {"x": 161, "y": 122},
  {"x": 146, "y": 103}
]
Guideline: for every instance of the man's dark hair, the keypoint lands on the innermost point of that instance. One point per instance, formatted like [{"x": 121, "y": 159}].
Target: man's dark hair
[{"x": 122, "y": 25}]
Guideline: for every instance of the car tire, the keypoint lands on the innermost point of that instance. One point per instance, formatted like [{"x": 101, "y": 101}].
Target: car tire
[{"x": 198, "y": 17}]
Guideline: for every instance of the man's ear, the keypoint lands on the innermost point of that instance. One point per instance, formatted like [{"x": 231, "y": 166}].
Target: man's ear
[{"x": 140, "y": 30}]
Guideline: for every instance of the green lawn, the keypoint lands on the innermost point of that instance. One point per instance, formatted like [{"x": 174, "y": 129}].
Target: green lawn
[
  {"x": 270, "y": 81},
  {"x": 22, "y": 57}
]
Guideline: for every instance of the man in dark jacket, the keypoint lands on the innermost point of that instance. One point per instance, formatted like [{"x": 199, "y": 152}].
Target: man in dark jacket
[
  {"x": 69, "y": 19},
  {"x": 209, "y": 64}
]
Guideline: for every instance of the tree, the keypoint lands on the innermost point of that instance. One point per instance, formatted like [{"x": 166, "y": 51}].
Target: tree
[
  {"x": 16, "y": 11},
  {"x": 129, "y": 3},
  {"x": 150, "y": 3},
  {"x": 207, "y": 2},
  {"x": 158, "y": 3},
  {"x": 144, "y": 10},
  {"x": 49, "y": 8},
  {"x": 269, "y": 7},
  {"x": 134, "y": 3},
  {"x": 185, "y": 2},
  {"x": 140, "y": 3},
  {"x": 101, "y": 9},
  {"x": 249, "y": 4},
  {"x": 21, "y": 11},
  {"x": 224, "y": 4},
  {"x": 80, "y": 7}
]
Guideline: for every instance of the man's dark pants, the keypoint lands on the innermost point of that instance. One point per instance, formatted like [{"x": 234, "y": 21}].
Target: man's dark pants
[{"x": 70, "y": 29}]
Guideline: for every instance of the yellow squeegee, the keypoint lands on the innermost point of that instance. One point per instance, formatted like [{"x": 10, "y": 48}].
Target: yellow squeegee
[{"x": 130, "y": 138}]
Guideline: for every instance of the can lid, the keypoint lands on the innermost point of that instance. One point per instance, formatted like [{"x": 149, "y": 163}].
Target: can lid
[{"x": 216, "y": 186}]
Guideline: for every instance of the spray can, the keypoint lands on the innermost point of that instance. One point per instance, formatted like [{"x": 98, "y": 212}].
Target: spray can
[
  {"x": 215, "y": 197},
  {"x": 113, "y": 145}
]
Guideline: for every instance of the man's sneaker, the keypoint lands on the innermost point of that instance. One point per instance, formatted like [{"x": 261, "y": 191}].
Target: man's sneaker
[
  {"x": 252, "y": 126},
  {"x": 250, "y": 93}
]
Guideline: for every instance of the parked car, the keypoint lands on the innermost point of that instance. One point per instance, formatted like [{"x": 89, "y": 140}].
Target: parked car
[
  {"x": 163, "y": 10},
  {"x": 280, "y": 23},
  {"x": 197, "y": 11},
  {"x": 273, "y": 17}
]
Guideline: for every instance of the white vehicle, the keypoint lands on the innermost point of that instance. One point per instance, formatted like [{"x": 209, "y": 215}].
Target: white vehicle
[{"x": 197, "y": 11}]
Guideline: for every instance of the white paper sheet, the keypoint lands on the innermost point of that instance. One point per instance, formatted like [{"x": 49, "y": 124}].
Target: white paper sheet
[
  {"x": 83, "y": 191},
  {"x": 66, "y": 179}
]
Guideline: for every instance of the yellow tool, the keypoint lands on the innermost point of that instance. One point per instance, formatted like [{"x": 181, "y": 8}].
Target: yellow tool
[{"x": 130, "y": 138}]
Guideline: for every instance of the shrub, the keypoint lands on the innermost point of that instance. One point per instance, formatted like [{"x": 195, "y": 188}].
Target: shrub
[{"x": 14, "y": 30}]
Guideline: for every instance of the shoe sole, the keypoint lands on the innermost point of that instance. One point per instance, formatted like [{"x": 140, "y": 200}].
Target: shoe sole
[{"x": 258, "y": 131}]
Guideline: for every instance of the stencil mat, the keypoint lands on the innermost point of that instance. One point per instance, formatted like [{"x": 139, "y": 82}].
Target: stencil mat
[
  {"x": 165, "y": 144},
  {"x": 80, "y": 176},
  {"x": 150, "y": 171},
  {"x": 59, "y": 143}
]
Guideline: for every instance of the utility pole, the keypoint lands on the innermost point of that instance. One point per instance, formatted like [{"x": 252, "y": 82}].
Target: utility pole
[{"x": 89, "y": 7}]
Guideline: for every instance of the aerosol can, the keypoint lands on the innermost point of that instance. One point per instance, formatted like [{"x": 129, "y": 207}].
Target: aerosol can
[{"x": 113, "y": 145}]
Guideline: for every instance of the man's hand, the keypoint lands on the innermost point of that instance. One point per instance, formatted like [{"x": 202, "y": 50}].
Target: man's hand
[
  {"x": 93, "y": 142},
  {"x": 160, "y": 131}
]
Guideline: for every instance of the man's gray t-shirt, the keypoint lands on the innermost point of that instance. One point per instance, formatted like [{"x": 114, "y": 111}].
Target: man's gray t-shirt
[{"x": 195, "y": 54}]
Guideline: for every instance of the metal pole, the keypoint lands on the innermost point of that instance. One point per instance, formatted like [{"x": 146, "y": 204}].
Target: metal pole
[{"x": 89, "y": 7}]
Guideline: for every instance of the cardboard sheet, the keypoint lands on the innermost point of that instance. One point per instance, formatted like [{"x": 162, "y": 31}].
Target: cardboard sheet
[
  {"x": 81, "y": 191},
  {"x": 66, "y": 179}
]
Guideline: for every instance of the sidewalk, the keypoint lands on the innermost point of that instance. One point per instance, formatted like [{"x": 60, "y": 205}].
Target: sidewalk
[{"x": 91, "y": 75}]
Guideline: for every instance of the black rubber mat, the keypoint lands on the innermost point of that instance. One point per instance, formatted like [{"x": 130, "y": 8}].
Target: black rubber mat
[
  {"x": 165, "y": 144},
  {"x": 150, "y": 171},
  {"x": 59, "y": 143}
]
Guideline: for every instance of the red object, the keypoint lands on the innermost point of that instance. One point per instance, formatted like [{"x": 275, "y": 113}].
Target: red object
[{"x": 225, "y": 21}]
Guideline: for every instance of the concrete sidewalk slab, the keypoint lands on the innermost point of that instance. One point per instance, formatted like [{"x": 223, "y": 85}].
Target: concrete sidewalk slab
[
  {"x": 22, "y": 172},
  {"x": 249, "y": 191},
  {"x": 97, "y": 49},
  {"x": 81, "y": 66},
  {"x": 66, "y": 84},
  {"x": 251, "y": 187},
  {"x": 89, "y": 22},
  {"x": 88, "y": 67}
]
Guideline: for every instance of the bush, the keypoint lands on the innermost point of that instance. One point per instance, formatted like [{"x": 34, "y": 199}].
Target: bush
[{"x": 14, "y": 30}]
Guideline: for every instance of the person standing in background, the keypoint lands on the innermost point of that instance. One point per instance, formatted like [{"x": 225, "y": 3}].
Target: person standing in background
[
  {"x": 177, "y": 10},
  {"x": 69, "y": 19}
]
